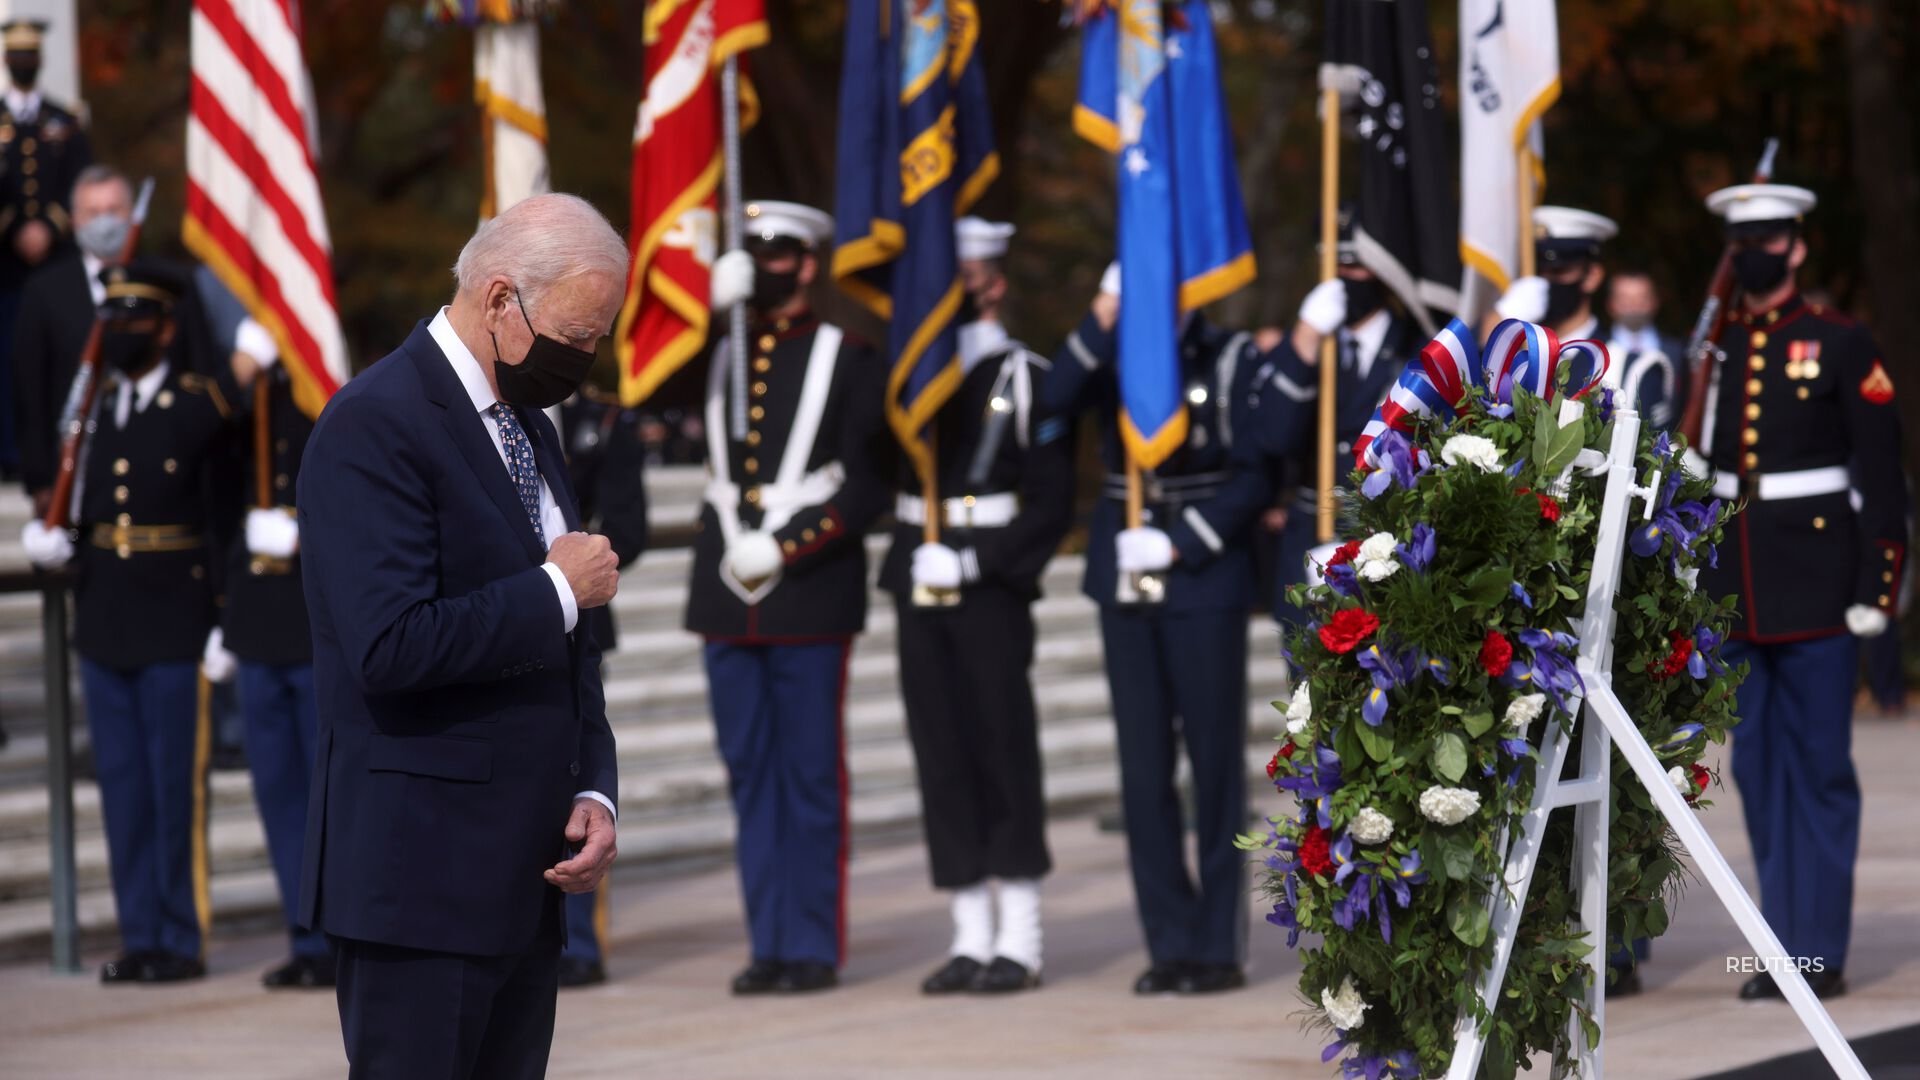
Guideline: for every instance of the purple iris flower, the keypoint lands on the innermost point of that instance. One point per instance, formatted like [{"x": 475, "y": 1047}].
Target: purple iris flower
[
  {"x": 1517, "y": 749},
  {"x": 1681, "y": 736},
  {"x": 1315, "y": 785},
  {"x": 1646, "y": 539},
  {"x": 1417, "y": 552},
  {"x": 1341, "y": 852},
  {"x": 1335, "y": 1047},
  {"x": 1376, "y": 483},
  {"x": 1439, "y": 668},
  {"x": 1520, "y": 593},
  {"x": 1397, "y": 882},
  {"x": 1342, "y": 580},
  {"x": 1399, "y": 1065},
  {"x": 1706, "y": 654},
  {"x": 1513, "y": 470},
  {"x": 1502, "y": 411},
  {"x": 1389, "y": 668},
  {"x": 1549, "y": 669},
  {"x": 1607, "y": 404},
  {"x": 1662, "y": 446}
]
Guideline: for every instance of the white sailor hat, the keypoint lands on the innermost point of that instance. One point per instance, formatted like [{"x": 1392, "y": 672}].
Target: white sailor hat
[
  {"x": 769, "y": 220},
  {"x": 1761, "y": 207},
  {"x": 978, "y": 238},
  {"x": 1562, "y": 234}
]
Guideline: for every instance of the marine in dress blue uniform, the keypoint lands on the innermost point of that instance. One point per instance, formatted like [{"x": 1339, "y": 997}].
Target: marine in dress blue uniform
[
  {"x": 149, "y": 548},
  {"x": 1801, "y": 425},
  {"x": 1177, "y": 670},
  {"x": 43, "y": 147},
  {"x": 1568, "y": 248},
  {"x": 1004, "y": 471},
  {"x": 606, "y": 461},
  {"x": 264, "y": 625},
  {"x": 799, "y": 464}
]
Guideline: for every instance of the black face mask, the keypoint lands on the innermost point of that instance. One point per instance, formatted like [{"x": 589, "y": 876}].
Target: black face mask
[
  {"x": 129, "y": 352},
  {"x": 771, "y": 290},
  {"x": 549, "y": 375},
  {"x": 24, "y": 73},
  {"x": 1563, "y": 299},
  {"x": 1759, "y": 272},
  {"x": 1364, "y": 297},
  {"x": 967, "y": 312}
]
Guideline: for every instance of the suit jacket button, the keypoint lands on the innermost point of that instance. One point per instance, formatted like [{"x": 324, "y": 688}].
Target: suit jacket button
[{"x": 574, "y": 769}]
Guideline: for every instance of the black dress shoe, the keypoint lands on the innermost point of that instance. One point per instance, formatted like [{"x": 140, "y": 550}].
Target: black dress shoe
[
  {"x": 1827, "y": 984},
  {"x": 958, "y": 974},
  {"x": 166, "y": 967},
  {"x": 1211, "y": 979},
  {"x": 1005, "y": 976},
  {"x": 577, "y": 972},
  {"x": 1624, "y": 984},
  {"x": 1759, "y": 988},
  {"x": 300, "y": 973},
  {"x": 125, "y": 968},
  {"x": 760, "y": 977},
  {"x": 1160, "y": 979},
  {"x": 807, "y": 977}
]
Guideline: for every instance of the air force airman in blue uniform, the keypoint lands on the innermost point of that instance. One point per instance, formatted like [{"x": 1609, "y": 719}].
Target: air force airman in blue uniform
[
  {"x": 1802, "y": 425},
  {"x": 1177, "y": 669}
]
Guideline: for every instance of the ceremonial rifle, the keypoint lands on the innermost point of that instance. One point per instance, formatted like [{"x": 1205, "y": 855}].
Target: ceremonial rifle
[
  {"x": 86, "y": 384},
  {"x": 1702, "y": 353}
]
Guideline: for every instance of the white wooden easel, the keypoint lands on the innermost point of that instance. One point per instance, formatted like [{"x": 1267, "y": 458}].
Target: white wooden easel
[{"x": 1602, "y": 722}]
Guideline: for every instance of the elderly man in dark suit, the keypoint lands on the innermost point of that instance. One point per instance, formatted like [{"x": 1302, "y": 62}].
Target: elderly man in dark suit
[{"x": 466, "y": 773}]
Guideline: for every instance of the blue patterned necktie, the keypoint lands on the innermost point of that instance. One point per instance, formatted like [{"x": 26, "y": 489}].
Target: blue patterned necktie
[{"x": 520, "y": 464}]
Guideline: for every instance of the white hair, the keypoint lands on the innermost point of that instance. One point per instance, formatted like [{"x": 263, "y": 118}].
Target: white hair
[{"x": 538, "y": 243}]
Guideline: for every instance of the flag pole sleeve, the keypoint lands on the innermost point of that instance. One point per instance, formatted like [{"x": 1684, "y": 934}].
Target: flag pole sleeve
[
  {"x": 1329, "y": 266},
  {"x": 1527, "y": 198},
  {"x": 736, "y": 231}
]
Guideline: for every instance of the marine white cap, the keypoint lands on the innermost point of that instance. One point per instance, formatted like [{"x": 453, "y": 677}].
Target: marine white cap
[
  {"x": 1566, "y": 223},
  {"x": 769, "y": 219},
  {"x": 1743, "y": 204},
  {"x": 978, "y": 238}
]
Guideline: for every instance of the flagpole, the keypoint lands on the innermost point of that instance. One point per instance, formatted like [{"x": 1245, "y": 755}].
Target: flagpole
[
  {"x": 735, "y": 237},
  {"x": 1329, "y": 269},
  {"x": 1527, "y": 198}
]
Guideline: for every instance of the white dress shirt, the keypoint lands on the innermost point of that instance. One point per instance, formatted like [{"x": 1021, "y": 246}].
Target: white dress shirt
[
  {"x": 553, "y": 523},
  {"x": 25, "y": 107},
  {"x": 1644, "y": 340},
  {"x": 95, "y": 286},
  {"x": 1368, "y": 339},
  {"x": 135, "y": 395}
]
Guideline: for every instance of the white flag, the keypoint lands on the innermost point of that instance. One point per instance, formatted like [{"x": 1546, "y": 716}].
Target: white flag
[
  {"x": 1509, "y": 76},
  {"x": 506, "y": 83}
]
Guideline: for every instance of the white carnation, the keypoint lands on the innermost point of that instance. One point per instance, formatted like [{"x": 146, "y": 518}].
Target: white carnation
[
  {"x": 1525, "y": 709},
  {"x": 1475, "y": 450},
  {"x": 1370, "y": 826},
  {"x": 1448, "y": 805},
  {"x": 1378, "y": 571},
  {"x": 1690, "y": 577},
  {"x": 1345, "y": 1008},
  {"x": 1299, "y": 710},
  {"x": 1681, "y": 782},
  {"x": 1375, "y": 561}
]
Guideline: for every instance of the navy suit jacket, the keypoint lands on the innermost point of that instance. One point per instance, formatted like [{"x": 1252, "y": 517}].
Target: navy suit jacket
[{"x": 458, "y": 718}]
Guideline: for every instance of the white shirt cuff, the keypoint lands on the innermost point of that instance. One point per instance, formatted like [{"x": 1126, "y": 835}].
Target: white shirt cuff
[
  {"x": 602, "y": 800},
  {"x": 569, "y": 607}
]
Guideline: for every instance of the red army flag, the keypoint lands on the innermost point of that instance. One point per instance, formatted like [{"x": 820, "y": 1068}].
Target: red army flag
[{"x": 677, "y": 169}]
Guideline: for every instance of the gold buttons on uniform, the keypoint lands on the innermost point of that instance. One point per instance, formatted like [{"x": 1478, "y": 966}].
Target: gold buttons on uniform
[
  {"x": 789, "y": 546},
  {"x": 1752, "y": 459},
  {"x": 1751, "y": 436},
  {"x": 1802, "y": 393},
  {"x": 767, "y": 342},
  {"x": 1757, "y": 363},
  {"x": 759, "y": 388},
  {"x": 280, "y": 482},
  {"x": 1819, "y": 523},
  {"x": 120, "y": 466},
  {"x": 30, "y": 185},
  {"x": 279, "y": 446},
  {"x": 1759, "y": 339},
  {"x": 762, "y": 365},
  {"x": 753, "y": 438},
  {"x": 1888, "y": 554},
  {"x": 29, "y": 167},
  {"x": 1883, "y": 600},
  {"x": 199, "y": 572},
  {"x": 1753, "y": 411},
  {"x": 165, "y": 400},
  {"x": 752, "y": 465},
  {"x": 28, "y": 145},
  {"x": 753, "y": 496},
  {"x": 1887, "y": 577},
  {"x": 1753, "y": 387},
  {"x": 120, "y": 494},
  {"x": 807, "y": 535},
  {"x": 171, "y": 466},
  {"x": 827, "y": 524},
  {"x": 758, "y": 412},
  {"x": 123, "y": 519}
]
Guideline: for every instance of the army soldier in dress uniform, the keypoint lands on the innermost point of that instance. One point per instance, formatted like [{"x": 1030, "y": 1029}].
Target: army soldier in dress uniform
[
  {"x": 1373, "y": 343},
  {"x": 606, "y": 462},
  {"x": 1184, "y": 657},
  {"x": 42, "y": 150},
  {"x": 264, "y": 638},
  {"x": 799, "y": 463},
  {"x": 1567, "y": 248},
  {"x": 1801, "y": 425},
  {"x": 1005, "y": 476},
  {"x": 148, "y": 552}
]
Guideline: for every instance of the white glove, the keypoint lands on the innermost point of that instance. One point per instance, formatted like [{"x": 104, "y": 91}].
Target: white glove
[
  {"x": 732, "y": 279},
  {"x": 273, "y": 533},
  {"x": 936, "y": 566},
  {"x": 1143, "y": 550},
  {"x": 1866, "y": 622},
  {"x": 1110, "y": 281},
  {"x": 46, "y": 548},
  {"x": 216, "y": 663},
  {"x": 754, "y": 557},
  {"x": 1325, "y": 308},
  {"x": 253, "y": 339},
  {"x": 1525, "y": 299}
]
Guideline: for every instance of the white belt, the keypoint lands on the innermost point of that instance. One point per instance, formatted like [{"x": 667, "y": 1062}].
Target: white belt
[
  {"x": 1800, "y": 484},
  {"x": 968, "y": 512},
  {"x": 777, "y": 502}
]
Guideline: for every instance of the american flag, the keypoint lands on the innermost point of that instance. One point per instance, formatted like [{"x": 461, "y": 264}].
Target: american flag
[{"x": 253, "y": 194}]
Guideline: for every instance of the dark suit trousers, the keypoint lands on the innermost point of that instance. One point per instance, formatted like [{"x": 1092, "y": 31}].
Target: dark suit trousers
[
  {"x": 413, "y": 1014},
  {"x": 976, "y": 742}
]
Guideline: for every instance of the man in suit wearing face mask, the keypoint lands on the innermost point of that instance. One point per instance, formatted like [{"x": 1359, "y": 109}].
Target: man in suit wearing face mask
[{"x": 799, "y": 462}]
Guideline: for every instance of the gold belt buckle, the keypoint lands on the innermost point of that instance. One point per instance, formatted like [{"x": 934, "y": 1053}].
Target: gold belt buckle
[{"x": 1750, "y": 486}]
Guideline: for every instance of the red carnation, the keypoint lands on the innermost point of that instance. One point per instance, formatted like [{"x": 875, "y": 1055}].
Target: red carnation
[
  {"x": 1344, "y": 554},
  {"x": 1676, "y": 660},
  {"x": 1314, "y": 857},
  {"x": 1701, "y": 778},
  {"x": 1273, "y": 766},
  {"x": 1496, "y": 654},
  {"x": 1549, "y": 506},
  {"x": 1344, "y": 631}
]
